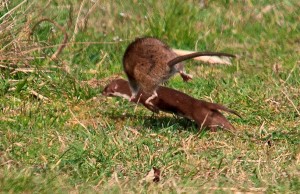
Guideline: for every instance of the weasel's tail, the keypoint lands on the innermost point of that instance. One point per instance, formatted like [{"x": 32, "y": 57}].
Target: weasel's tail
[
  {"x": 223, "y": 108},
  {"x": 197, "y": 54},
  {"x": 221, "y": 121}
]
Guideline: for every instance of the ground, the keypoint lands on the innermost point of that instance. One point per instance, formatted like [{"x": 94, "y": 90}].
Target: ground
[{"x": 59, "y": 134}]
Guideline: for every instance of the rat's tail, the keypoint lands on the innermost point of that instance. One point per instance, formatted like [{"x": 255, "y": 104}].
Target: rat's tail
[{"x": 197, "y": 54}]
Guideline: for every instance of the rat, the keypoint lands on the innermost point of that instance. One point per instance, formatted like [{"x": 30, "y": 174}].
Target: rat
[
  {"x": 148, "y": 62},
  {"x": 205, "y": 114}
]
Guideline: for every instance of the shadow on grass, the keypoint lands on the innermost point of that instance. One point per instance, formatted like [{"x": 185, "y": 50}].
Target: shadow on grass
[{"x": 157, "y": 122}]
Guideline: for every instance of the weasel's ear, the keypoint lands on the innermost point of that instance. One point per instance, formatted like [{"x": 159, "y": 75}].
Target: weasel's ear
[{"x": 116, "y": 86}]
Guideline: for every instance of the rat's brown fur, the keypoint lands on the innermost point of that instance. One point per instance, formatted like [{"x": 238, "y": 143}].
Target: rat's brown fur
[
  {"x": 148, "y": 62},
  {"x": 205, "y": 114}
]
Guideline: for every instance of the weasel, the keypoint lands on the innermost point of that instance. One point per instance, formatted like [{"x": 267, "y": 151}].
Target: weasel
[
  {"x": 205, "y": 114},
  {"x": 148, "y": 62}
]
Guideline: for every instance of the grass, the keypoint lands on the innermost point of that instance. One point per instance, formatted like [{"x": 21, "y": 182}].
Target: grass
[{"x": 58, "y": 134}]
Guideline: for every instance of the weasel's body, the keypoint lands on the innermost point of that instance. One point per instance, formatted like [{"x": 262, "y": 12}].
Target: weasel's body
[
  {"x": 205, "y": 114},
  {"x": 148, "y": 62}
]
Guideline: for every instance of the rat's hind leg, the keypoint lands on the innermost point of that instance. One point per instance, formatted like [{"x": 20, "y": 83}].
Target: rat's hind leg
[
  {"x": 149, "y": 85},
  {"x": 153, "y": 96},
  {"x": 150, "y": 105}
]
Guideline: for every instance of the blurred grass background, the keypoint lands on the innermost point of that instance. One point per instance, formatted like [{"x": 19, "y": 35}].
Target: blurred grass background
[{"x": 58, "y": 134}]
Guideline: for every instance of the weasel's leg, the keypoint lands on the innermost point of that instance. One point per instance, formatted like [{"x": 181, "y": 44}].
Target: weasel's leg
[{"x": 186, "y": 77}]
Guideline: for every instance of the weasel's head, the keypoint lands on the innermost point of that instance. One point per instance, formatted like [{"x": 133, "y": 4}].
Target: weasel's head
[{"x": 117, "y": 87}]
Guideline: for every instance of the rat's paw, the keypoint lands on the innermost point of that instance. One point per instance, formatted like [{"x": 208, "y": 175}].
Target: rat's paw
[{"x": 150, "y": 105}]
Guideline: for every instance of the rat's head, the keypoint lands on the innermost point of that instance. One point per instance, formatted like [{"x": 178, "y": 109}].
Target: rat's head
[{"x": 117, "y": 87}]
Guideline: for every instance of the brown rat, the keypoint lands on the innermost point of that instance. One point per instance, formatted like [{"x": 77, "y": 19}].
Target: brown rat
[
  {"x": 148, "y": 62},
  {"x": 205, "y": 114}
]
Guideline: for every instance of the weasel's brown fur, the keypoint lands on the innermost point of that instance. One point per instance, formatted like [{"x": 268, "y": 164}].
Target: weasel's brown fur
[{"x": 205, "y": 114}]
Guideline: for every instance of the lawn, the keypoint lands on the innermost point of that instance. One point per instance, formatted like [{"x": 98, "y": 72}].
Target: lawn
[{"x": 59, "y": 134}]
